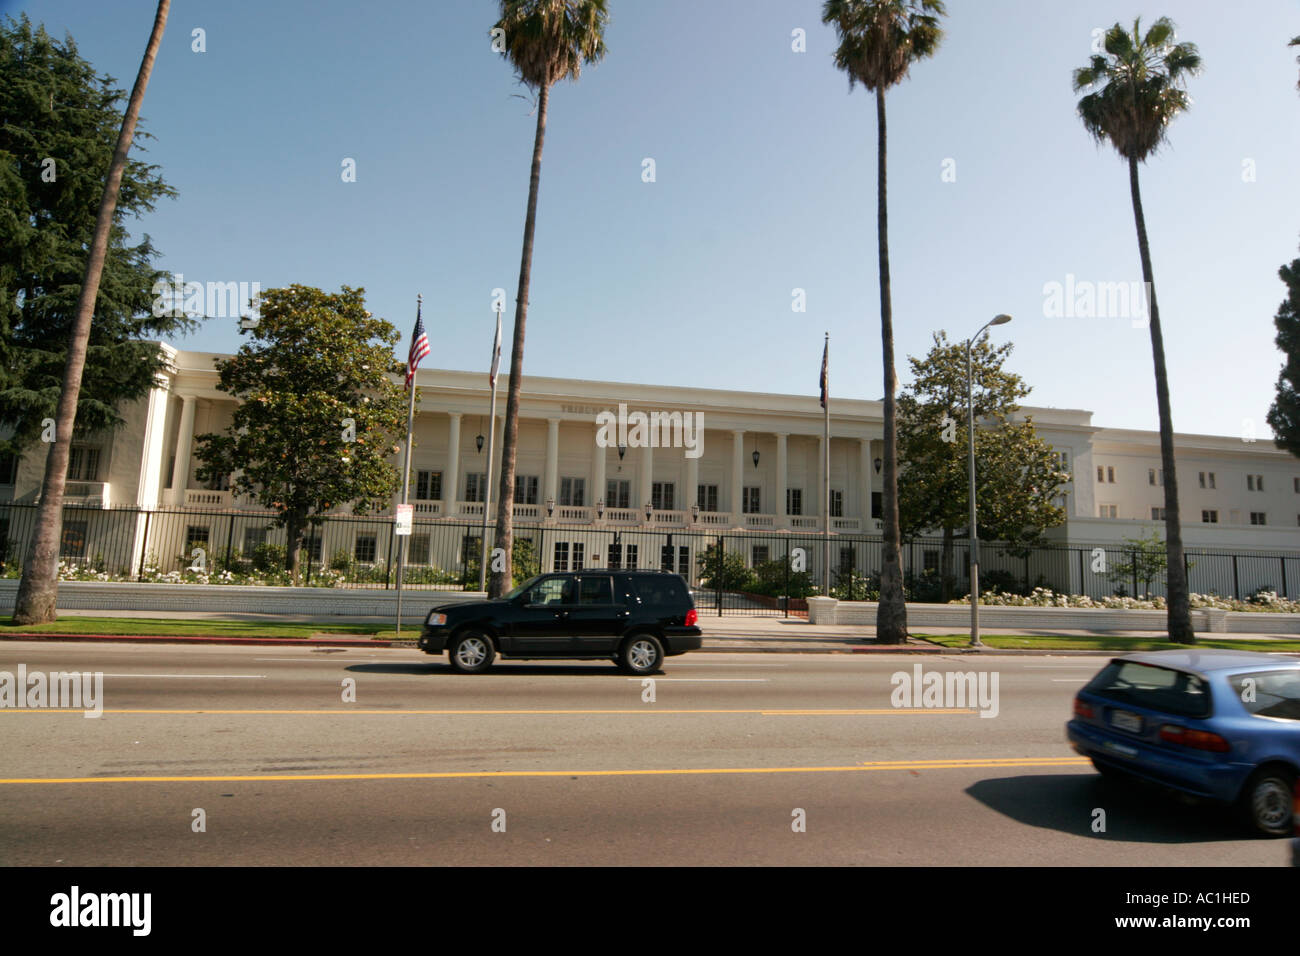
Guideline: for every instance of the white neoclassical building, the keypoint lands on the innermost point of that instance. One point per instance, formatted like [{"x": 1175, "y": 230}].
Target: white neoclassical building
[{"x": 756, "y": 467}]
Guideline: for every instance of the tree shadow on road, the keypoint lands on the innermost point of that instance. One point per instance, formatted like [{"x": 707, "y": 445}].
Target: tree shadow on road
[{"x": 1135, "y": 812}]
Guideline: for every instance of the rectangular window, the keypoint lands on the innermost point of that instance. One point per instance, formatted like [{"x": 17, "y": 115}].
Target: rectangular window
[
  {"x": 759, "y": 554},
  {"x": 1250, "y": 482},
  {"x": 751, "y": 501},
  {"x": 9, "y": 470},
  {"x": 706, "y": 496},
  {"x": 1110, "y": 474},
  {"x": 1061, "y": 461},
  {"x": 930, "y": 558},
  {"x": 525, "y": 489},
  {"x": 196, "y": 536},
  {"x": 578, "y": 552},
  {"x": 630, "y": 556},
  {"x": 837, "y": 503},
  {"x": 684, "y": 561},
  {"x": 72, "y": 544},
  {"x": 661, "y": 496},
  {"x": 1101, "y": 473},
  {"x": 311, "y": 543},
  {"x": 1210, "y": 516},
  {"x": 83, "y": 463},
  {"x": 1157, "y": 514},
  {"x": 595, "y": 589},
  {"x": 877, "y": 504},
  {"x": 618, "y": 493},
  {"x": 476, "y": 488},
  {"x": 253, "y": 538},
  {"x": 218, "y": 483},
  {"x": 848, "y": 560},
  {"x": 418, "y": 549},
  {"x": 1254, "y": 482},
  {"x": 1211, "y": 477},
  {"x": 1296, "y": 481},
  {"x": 1257, "y": 517},
  {"x": 573, "y": 492},
  {"x": 561, "y": 556},
  {"x": 666, "y": 558},
  {"x": 428, "y": 485},
  {"x": 365, "y": 549},
  {"x": 1107, "y": 511},
  {"x": 1155, "y": 476},
  {"x": 614, "y": 556},
  {"x": 794, "y": 501}
]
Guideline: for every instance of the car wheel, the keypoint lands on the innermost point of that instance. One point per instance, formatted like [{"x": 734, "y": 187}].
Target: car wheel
[
  {"x": 641, "y": 654},
  {"x": 1266, "y": 802},
  {"x": 472, "y": 653}
]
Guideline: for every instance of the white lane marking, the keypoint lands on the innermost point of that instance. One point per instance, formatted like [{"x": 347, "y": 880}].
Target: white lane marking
[
  {"x": 1070, "y": 680},
  {"x": 709, "y": 680},
  {"x": 320, "y": 660},
  {"x": 195, "y": 676},
  {"x": 1053, "y": 667}
]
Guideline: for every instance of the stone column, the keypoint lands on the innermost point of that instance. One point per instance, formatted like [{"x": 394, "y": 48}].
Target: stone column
[
  {"x": 737, "y": 476},
  {"x": 782, "y": 481},
  {"x": 551, "y": 483},
  {"x": 647, "y": 478},
  {"x": 864, "y": 482},
  {"x": 184, "y": 442},
  {"x": 597, "y": 472},
  {"x": 451, "y": 480}
]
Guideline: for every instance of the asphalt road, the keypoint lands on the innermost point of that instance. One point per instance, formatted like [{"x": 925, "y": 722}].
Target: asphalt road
[{"x": 537, "y": 763}]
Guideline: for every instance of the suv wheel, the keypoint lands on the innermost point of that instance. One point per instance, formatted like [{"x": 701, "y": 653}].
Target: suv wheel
[
  {"x": 472, "y": 653},
  {"x": 641, "y": 654},
  {"x": 1266, "y": 802}
]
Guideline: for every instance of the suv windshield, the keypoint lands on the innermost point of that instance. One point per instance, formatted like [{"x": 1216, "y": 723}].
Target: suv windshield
[
  {"x": 1157, "y": 688},
  {"x": 511, "y": 595}
]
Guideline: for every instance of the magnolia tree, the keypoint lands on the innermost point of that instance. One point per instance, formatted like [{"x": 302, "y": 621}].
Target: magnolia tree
[{"x": 319, "y": 411}]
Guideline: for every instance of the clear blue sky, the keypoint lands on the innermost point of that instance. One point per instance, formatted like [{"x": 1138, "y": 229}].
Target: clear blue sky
[{"x": 765, "y": 182}]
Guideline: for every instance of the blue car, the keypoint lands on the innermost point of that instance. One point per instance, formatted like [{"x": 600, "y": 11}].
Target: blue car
[{"x": 1222, "y": 725}]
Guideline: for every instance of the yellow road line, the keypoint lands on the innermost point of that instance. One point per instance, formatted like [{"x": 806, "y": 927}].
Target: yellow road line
[
  {"x": 648, "y": 710},
  {"x": 952, "y": 764}
]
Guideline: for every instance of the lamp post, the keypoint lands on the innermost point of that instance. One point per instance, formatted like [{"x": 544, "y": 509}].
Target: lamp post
[{"x": 1002, "y": 319}]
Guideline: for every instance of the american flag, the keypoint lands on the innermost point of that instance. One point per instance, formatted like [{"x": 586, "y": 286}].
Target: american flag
[
  {"x": 496, "y": 354},
  {"x": 826, "y": 355},
  {"x": 419, "y": 348}
]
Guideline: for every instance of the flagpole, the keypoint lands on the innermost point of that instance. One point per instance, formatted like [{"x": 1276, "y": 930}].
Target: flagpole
[
  {"x": 492, "y": 430},
  {"x": 406, "y": 482},
  {"x": 826, "y": 485}
]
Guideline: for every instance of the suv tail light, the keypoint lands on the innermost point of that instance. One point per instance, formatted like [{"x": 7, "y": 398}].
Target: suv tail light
[
  {"x": 691, "y": 617},
  {"x": 1081, "y": 709},
  {"x": 1196, "y": 739}
]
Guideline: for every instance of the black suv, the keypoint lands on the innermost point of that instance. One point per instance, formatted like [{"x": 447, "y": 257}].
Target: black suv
[{"x": 635, "y": 618}]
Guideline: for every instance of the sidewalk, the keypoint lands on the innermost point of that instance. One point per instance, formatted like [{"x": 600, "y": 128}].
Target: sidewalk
[{"x": 728, "y": 634}]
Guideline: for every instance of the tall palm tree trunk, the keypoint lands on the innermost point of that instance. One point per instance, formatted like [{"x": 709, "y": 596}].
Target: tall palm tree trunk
[
  {"x": 891, "y": 613},
  {"x": 1178, "y": 602},
  {"x": 500, "y": 582},
  {"x": 38, "y": 589}
]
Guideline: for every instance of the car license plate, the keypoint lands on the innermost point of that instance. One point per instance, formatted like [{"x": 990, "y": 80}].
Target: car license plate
[
  {"x": 1125, "y": 720},
  {"x": 1120, "y": 749}
]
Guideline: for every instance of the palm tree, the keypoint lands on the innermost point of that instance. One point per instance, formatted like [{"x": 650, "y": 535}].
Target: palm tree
[
  {"x": 1295, "y": 41},
  {"x": 546, "y": 41},
  {"x": 1137, "y": 91},
  {"x": 879, "y": 40},
  {"x": 35, "y": 603}
]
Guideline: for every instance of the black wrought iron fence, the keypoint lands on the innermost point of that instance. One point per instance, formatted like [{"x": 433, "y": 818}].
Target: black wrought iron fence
[{"x": 734, "y": 572}]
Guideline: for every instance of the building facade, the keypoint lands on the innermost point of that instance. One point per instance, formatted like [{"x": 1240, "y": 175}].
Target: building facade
[{"x": 753, "y": 466}]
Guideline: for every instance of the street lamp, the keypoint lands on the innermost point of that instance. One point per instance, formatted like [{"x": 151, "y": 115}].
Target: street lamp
[
  {"x": 550, "y": 507},
  {"x": 1002, "y": 319},
  {"x": 600, "y": 508},
  {"x": 648, "y": 509}
]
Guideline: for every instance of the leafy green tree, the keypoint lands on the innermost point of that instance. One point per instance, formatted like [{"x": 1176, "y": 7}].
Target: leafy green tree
[
  {"x": 318, "y": 413},
  {"x": 722, "y": 570},
  {"x": 1284, "y": 414},
  {"x": 879, "y": 40},
  {"x": 546, "y": 41},
  {"x": 1144, "y": 559},
  {"x": 1137, "y": 91},
  {"x": 56, "y": 239},
  {"x": 1016, "y": 474},
  {"x": 59, "y": 123}
]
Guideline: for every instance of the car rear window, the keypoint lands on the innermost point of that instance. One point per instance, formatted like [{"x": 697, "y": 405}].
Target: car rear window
[
  {"x": 1155, "y": 688},
  {"x": 661, "y": 589},
  {"x": 1269, "y": 693}
]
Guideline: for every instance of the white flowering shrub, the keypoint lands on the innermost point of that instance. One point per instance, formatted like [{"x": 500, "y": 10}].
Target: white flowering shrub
[{"x": 1045, "y": 597}]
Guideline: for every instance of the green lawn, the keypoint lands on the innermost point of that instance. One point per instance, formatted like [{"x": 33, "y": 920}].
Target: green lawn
[
  {"x": 1069, "y": 642},
  {"x": 147, "y": 626}
]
